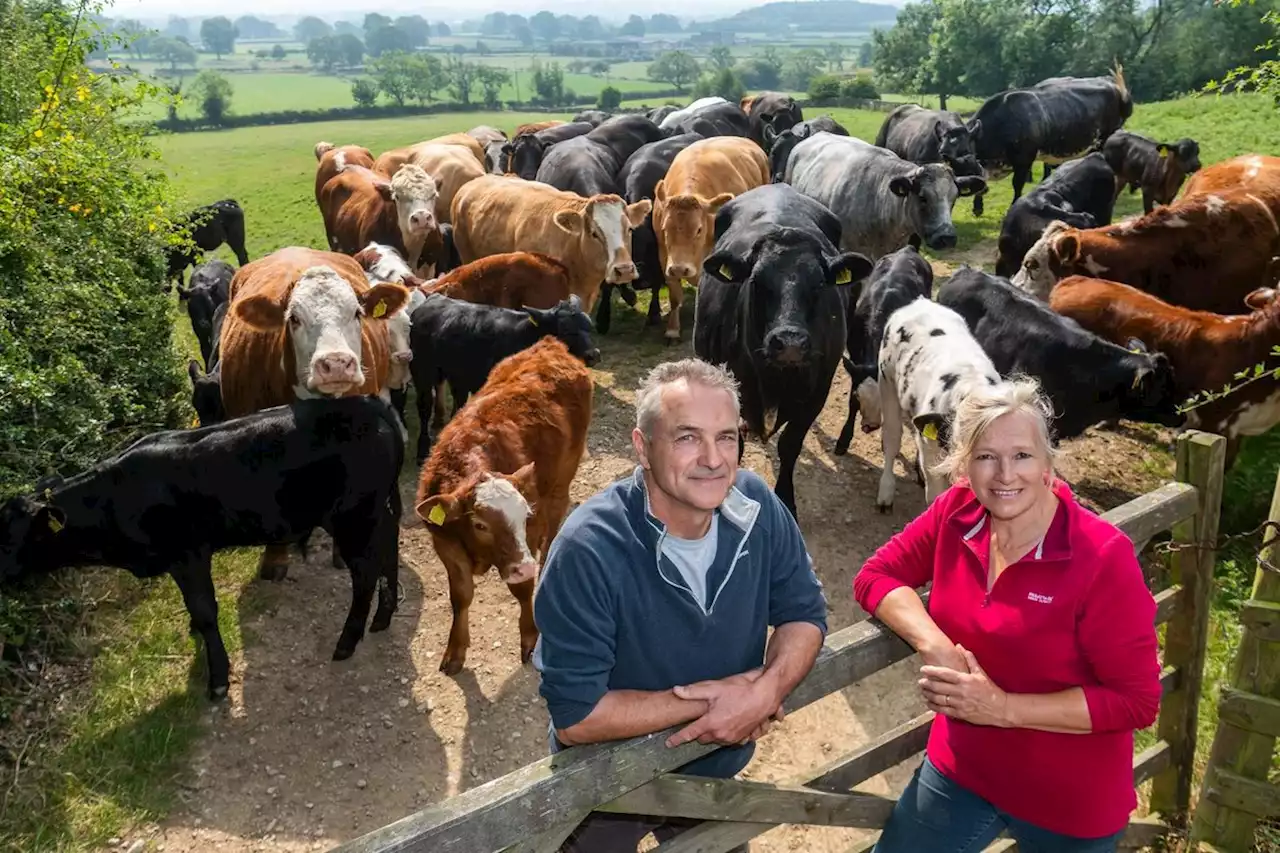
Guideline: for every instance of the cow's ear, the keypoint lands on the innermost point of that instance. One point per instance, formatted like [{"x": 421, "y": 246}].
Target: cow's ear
[
  {"x": 47, "y": 521},
  {"x": 726, "y": 267},
  {"x": 1162, "y": 149},
  {"x": 526, "y": 482},
  {"x": 1260, "y": 298},
  {"x": 569, "y": 221},
  {"x": 933, "y": 427},
  {"x": 636, "y": 213},
  {"x": 714, "y": 205},
  {"x": 193, "y": 370},
  {"x": 1066, "y": 249},
  {"x": 384, "y": 190},
  {"x": 914, "y": 241},
  {"x": 975, "y": 128},
  {"x": 938, "y": 130},
  {"x": 660, "y": 191},
  {"x": 260, "y": 312},
  {"x": 901, "y": 186},
  {"x": 971, "y": 185},
  {"x": 439, "y": 510},
  {"x": 1136, "y": 346},
  {"x": 848, "y": 267},
  {"x": 383, "y": 299}
]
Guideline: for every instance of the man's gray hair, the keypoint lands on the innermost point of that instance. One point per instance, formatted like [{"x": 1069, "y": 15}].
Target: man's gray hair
[{"x": 691, "y": 370}]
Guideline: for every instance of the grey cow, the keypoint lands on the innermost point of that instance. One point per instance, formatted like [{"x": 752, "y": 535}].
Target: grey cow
[{"x": 880, "y": 199}]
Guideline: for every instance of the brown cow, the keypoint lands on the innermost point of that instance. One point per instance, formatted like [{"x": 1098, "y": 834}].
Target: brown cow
[
  {"x": 303, "y": 323},
  {"x": 590, "y": 236},
  {"x": 508, "y": 280},
  {"x": 390, "y": 161},
  {"x": 1206, "y": 252},
  {"x": 450, "y": 166},
  {"x": 535, "y": 126},
  {"x": 332, "y": 159},
  {"x": 363, "y": 207},
  {"x": 1257, "y": 173},
  {"x": 702, "y": 178},
  {"x": 496, "y": 487},
  {"x": 1205, "y": 350}
]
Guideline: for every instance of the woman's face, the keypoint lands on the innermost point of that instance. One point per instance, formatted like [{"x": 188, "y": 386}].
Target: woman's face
[{"x": 1009, "y": 470}]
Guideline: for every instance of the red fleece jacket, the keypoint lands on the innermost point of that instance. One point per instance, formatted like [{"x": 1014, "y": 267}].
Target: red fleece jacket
[{"x": 1075, "y": 612}]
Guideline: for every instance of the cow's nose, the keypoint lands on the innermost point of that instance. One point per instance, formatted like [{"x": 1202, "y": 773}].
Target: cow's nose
[
  {"x": 944, "y": 239},
  {"x": 422, "y": 221},
  {"x": 336, "y": 367},
  {"x": 622, "y": 272},
  {"x": 680, "y": 271},
  {"x": 787, "y": 346}
]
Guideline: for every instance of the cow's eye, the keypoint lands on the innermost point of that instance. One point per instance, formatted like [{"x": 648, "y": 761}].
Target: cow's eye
[
  {"x": 479, "y": 525},
  {"x": 295, "y": 321},
  {"x": 1032, "y": 266}
]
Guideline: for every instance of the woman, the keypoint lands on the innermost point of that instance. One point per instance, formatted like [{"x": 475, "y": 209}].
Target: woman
[{"x": 1039, "y": 646}]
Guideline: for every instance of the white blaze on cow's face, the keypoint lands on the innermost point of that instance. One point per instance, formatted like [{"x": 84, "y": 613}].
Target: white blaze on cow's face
[
  {"x": 323, "y": 317},
  {"x": 611, "y": 223},
  {"x": 415, "y": 194},
  {"x": 383, "y": 263},
  {"x": 1036, "y": 276},
  {"x": 499, "y": 504}
]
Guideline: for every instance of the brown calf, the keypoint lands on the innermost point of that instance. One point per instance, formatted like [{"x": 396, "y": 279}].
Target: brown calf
[
  {"x": 508, "y": 280},
  {"x": 496, "y": 487},
  {"x": 535, "y": 126},
  {"x": 363, "y": 207},
  {"x": 332, "y": 159}
]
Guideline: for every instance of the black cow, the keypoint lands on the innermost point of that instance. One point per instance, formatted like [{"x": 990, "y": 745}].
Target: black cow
[
  {"x": 1089, "y": 379},
  {"x": 206, "y": 388},
  {"x": 637, "y": 179},
  {"x": 770, "y": 305},
  {"x": 772, "y": 113},
  {"x": 208, "y": 227},
  {"x": 1056, "y": 119},
  {"x": 715, "y": 120},
  {"x": 460, "y": 342},
  {"x": 897, "y": 280},
  {"x": 523, "y": 155},
  {"x": 595, "y": 117},
  {"x": 208, "y": 290},
  {"x": 657, "y": 114},
  {"x": 1159, "y": 168},
  {"x": 932, "y": 136},
  {"x": 801, "y": 130},
  {"x": 172, "y": 499},
  {"x": 1081, "y": 193}
]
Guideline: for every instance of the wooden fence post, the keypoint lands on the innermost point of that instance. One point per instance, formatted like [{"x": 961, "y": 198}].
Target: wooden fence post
[
  {"x": 1234, "y": 793},
  {"x": 1200, "y": 461}
]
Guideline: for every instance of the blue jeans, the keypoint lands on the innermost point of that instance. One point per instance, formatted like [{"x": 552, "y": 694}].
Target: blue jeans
[{"x": 935, "y": 815}]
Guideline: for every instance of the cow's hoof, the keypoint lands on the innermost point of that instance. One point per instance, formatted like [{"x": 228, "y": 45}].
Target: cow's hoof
[
  {"x": 343, "y": 651},
  {"x": 217, "y": 693},
  {"x": 841, "y": 449},
  {"x": 671, "y": 340},
  {"x": 884, "y": 509},
  {"x": 273, "y": 572},
  {"x": 380, "y": 623},
  {"x": 451, "y": 666},
  {"x": 628, "y": 295},
  {"x": 338, "y": 562}
]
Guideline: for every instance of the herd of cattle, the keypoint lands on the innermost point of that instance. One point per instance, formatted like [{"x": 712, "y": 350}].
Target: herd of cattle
[{"x": 476, "y": 260}]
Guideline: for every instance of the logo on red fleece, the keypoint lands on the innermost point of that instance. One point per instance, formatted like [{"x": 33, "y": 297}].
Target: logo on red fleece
[{"x": 1041, "y": 599}]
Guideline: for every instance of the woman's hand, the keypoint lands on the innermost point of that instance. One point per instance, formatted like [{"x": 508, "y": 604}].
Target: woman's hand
[
  {"x": 970, "y": 696},
  {"x": 944, "y": 653}
]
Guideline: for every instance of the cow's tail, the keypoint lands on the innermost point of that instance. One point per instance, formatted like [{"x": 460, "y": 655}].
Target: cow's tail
[
  {"x": 1126, "y": 97},
  {"x": 323, "y": 148}
]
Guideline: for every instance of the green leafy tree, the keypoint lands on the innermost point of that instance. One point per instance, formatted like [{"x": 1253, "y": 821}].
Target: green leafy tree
[
  {"x": 178, "y": 28},
  {"x": 866, "y": 54},
  {"x": 173, "y": 52},
  {"x": 545, "y": 26},
  {"x": 310, "y": 28},
  {"x": 860, "y": 87},
  {"x": 462, "y": 76},
  {"x": 364, "y": 92},
  {"x": 675, "y": 67},
  {"x": 351, "y": 49},
  {"x": 400, "y": 76},
  {"x": 218, "y": 35},
  {"x": 278, "y": 52},
  {"x": 724, "y": 83},
  {"x": 491, "y": 79},
  {"x": 213, "y": 92},
  {"x": 1265, "y": 75},
  {"x": 416, "y": 28},
  {"x": 758, "y": 73},
  {"x": 721, "y": 57},
  {"x": 548, "y": 83},
  {"x": 824, "y": 87},
  {"x": 803, "y": 67},
  {"x": 661, "y": 23},
  {"x": 386, "y": 39},
  {"x": 443, "y": 30},
  {"x": 609, "y": 98},
  {"x": 324, "y": 53},
  {"x": 835, "y": 53},
  {"x": 633, "y": 27}
]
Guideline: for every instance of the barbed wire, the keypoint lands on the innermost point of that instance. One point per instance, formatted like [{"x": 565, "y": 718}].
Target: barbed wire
[{"x": 1226, "y": 539}]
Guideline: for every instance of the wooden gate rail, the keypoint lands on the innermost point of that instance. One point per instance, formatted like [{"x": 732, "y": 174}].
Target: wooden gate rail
[
  {"x": 533, "y": 809},
  {"x": 1235, "y": 793}
]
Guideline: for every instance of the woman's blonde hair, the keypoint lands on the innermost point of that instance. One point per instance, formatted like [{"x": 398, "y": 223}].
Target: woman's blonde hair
[{"x": 979, "y": 410}]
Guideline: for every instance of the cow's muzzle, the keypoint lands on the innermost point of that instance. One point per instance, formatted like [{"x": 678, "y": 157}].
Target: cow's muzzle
[
  {"x": 621, "y": 273},
  {"x": 787, "y": 346}
]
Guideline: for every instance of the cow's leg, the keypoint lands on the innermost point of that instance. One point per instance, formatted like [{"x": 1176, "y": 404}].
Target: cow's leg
[
  {"x": 1148, "y": 200},
  {"x": 675, "y": 292},
  {"x": 846, "y": 432},
  {"x": 1021, "y": 177},
  {"x": 1120, "y": 182},
  {"x": 388, "y": 540},
  {"x": 1233, "y": 449},
  {"x": 274, "y": 563},
  {"x": 604, "y": 313},
  {"x": 654, "y": 317},
  {"x": 789, "y": 444},
  {"x": 461, "y": 591},
  {"x": 891, "y": 441},
  {"x": 528, "y": 630},
  {"x": 195, "y": 582},
  {"x": 978, "y": 205},
  {"x": 364, "y": 580}
]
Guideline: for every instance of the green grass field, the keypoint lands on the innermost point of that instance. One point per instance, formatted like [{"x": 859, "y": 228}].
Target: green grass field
[{"x": 122, "y": 745}]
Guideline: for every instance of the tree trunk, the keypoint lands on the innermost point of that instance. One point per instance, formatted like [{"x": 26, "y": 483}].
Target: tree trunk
[{"x": 942, "y": 101}]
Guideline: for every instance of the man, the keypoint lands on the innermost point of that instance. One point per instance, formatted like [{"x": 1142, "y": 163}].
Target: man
[{"x": 656, "y": 596}]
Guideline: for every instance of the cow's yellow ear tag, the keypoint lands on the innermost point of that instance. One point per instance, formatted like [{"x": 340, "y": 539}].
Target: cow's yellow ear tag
[
  {"x": 726, "y": 272},
  {"x": 436, "y": 516},
  {"x": 533, "y": 320},
  {"x": 931, "y": 432},
  {"x": 55, "y": 525},
  {"x": 844, "y": 277},
  {"x": 380, "y": 309},
  {"x": 1164, "y": 153},
  {"x": 1137, "y": 380}
]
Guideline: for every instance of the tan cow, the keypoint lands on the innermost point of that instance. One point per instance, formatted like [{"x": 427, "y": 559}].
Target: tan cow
[
  {"x": 450, "y": 166},
  {"x": 486, "y": 135},
  {"x": 303, "y": 323},
  {"x": 702, "y": 179},
  {"x": 590, "y": 236},
  {"x": 362, "y": 207},
  {"x": 392, "y": 160}
]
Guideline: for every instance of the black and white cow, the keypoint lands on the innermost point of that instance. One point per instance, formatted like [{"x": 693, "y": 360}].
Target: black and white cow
[
  {"x": 771, "y": 305},
  {"x": 171, "y": 500},
  {"x": 720, "y": 119},
  {"x": 771, "y": 113},
  {"x": 928, "y": 363},
  {"x": 932, "y": 136},
  {"x": 879, "y": 198},
  {"x": 208, "y": 227},
  {"x": 208, "y": 289},
  {"x": 1088, "y": 379},
  {"x": 1158, "y": 168},
  {"x": 523, "y": 155},
  {"x": 1081, "y": 193},
  {"x": 897, "y": 280},
  {"x": 637, "y": 179},
  {"x": 671, "y": 119},
  {"x": 1057, "y": 119},
  {"x": 459, "y": 342}
]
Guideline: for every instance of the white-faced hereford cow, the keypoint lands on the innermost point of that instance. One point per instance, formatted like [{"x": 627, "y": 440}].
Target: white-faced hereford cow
[
  {"x": 1206, "y": 251},
  {"x": 363, "y": 207},
  {"x": 702, "y": 179},
  {"x": 301, "y": 324},
  {"x": 771, "y": 305},
  {"x": 1158, "y": 168},
  {"x": 879, "y": 198},
  {"x": 928, "y": 363},
  {"x": 1206, "y": 350},
  {"x": 590, "y": 236},
  {"x": 496, "y": 487},
  {"x": 1057, "y": 119},
  {"x": 450, "y": 166}
]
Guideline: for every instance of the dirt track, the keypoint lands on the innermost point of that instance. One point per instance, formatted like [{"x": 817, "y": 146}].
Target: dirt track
[{"x": 307, "y": 753}]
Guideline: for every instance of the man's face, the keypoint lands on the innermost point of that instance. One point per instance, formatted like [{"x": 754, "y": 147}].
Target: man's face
[{"x": 692, "y": 456}]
